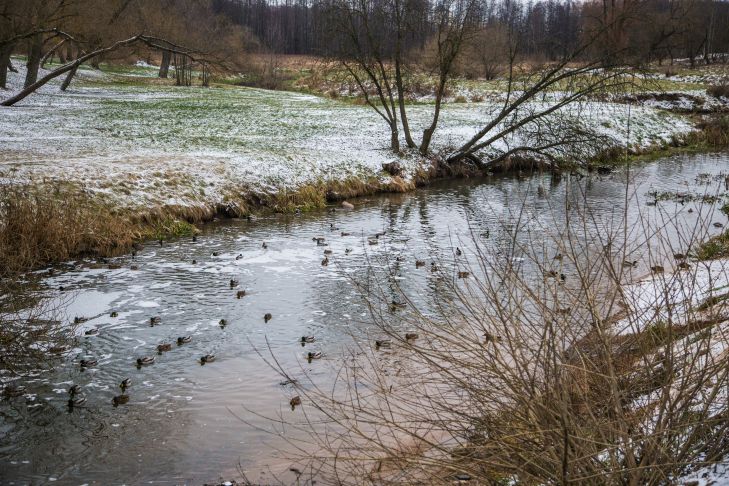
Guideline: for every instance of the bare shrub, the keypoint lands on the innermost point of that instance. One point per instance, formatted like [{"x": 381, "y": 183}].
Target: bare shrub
[{"x": 546, "y": 359}]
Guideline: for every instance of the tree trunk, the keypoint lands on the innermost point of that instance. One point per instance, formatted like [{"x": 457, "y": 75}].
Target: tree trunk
[
  {"x": 394, "y": 138},
  {"x": 34, "y": 58},
  {"x": 4, "y": 64},
  {"x": 164, "y": 68},
  {"x": 69, "y": 78}
]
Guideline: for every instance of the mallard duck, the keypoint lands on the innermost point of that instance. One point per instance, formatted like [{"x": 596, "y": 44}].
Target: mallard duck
[
  {"x": 690, "y": 210},
  {"x": 684, "y": 266},
  {"x": 88, "y": 363},
  {"x": 381, "y": 233},
  {"x": 114, "y": 314},
  {"x": 563, "y": 277},
  {"x": 321, "y": 242},
  {"x": 409, "y": 336},
  {"x": 419, "y": 263},
  {"x": 194, "y": 238},
  {"x": 551, "y": 274},
  {"x": 332, "y": 227},
  {"x": 74, "y": 390},
  {"x": 628, "y": 263},
  {"x": 345, "y": 234},
  {"x": 223, "y": 322},
  {"x": 215, "y": 253},
  {"x": 194, "y": 262},
  {"x": 61, "y": 288},
  {"x": 76, "y": 401},
  {"x": 463, "y": 274},
  {"x": 161, "y": 348},
  {"x": 373, "y": 241},
  {"x": 183, "y": 340},
  {"x": 325, "y": 262},
  {"x": 120, "y": 400},
  {"x": 125, "y": 383},
  {"x": 327, "y": 252},
  {"x": 458, "y": 252},
  {"x": 91, "y": 332},
  {"x": 396, "y": 304},
  {"x": 240, "y": 294},
  {"x": 264, "y": 246},
  {"x": 718, "y": 225},
  {"x": 318, "y": 239},
  {"x": 239, "y": 257},
  {"x": 267, "y": 317},
  {"x": 383, "y": 343},
  {"x": 290, "y": 381},
  {"x": 294, "y": 402},
  {"x": 679, "y": 256},
  {"x": 134, "y": 267},
  {"x": 233, "y": 283},
  {"x": 154, "y": 320},
  {"x": 564, "y": 310},
  {"x": 311, "y": 355},
  {"x": 657, "y": 269},
  {"x": 80, "y": 320},
  {"x": 433, "y": 267},
  {"x": 307, "y": 339},
  {"x": 491, "y": 337},
  {"x": 145, "y": 360},
  {"x": 347, "y": 251},
  {"x": 208, "y": 358},
  {"x": 558, "y": 256},
  {"x": 12, "y": 391}
]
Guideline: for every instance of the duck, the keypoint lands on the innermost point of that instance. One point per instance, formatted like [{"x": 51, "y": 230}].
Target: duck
[
  {"x": 125, "y": 383},
  {"x": 564, "y": 310},
  {"x": 194, "y": 262},
  {"x": 318, "y": 239},
  {"x": 463, "y": 274},
  {"x": 491, "y": 337},
  {"x": 558, "y": 257},
  {"x": 239, "y": 257},
  {"x": 332, "y": 227},
  {"x": 327, "y": 252},
  {"x": 395, "y": 304},
  {"x": 194, "y": 238},
  {"x": 223, "y": 322},
  {"x": 183, "y": 340},
  {"x": 76, "y": 401},
  {"x": 419, "y": 263},
  {"x": 264, "y": 245},
  {"x": 312, "y": 355},
  {"x": 347, "y": 251},
  {"x": 294, "y": 402},
  {"x": 433, "y": 267},
  {"x": 373, "y": 241},
  {"x": 321, "y": 243},
  {"x": 325, "y": 262},
  {"x": 381, "y": 233},
  {"x": 88, "y": 363},
  {"x": 74, "y": 390},
  {"x": 215, "y": 253},
  {"x": 114, "y": 314},
  {"x": 161, "y": 242},
  {"x": 146, "y": 360},
  {"x": 11, "y": 391},
  {"x": 154, "y": 320},
  {"x": 383, "y": 343},
  {"x": 80, "y": 320},
  {"x": 458, "y": 252},
  {"x": 628, "y": 263},
  {"x": 551, "y": 274},
  {"x": 233, "y": 283},
  {"x": 161, "y": 348},
  {"x": 307, "y": 339},
  {"x": 267, "y": 317},
  {"x": 679, "y": 256},
  {"x": 657, "y": 269},
  {"x": 345, "y": 233},
  {"x": 290, "y": 381},
  {"x": 240, "y": 294},
  {"x": 718, "y": 225},
  {"x": 410, "y": 336},
  {"x": 563, "y": 277},
  {"x": 690, "y": 210},
  {"x": 684, "y": 266},
  {"x": 92, "y": 332},
  {"x": 208, "y": 358},
  {"x": 120, "y": 400}
]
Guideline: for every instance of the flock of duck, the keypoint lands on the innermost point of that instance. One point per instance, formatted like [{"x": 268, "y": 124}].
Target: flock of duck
[{"x": 78, "y": 399}]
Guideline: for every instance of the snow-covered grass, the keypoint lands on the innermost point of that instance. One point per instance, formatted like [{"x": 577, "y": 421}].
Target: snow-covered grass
[{"x": 147, "y": 145}]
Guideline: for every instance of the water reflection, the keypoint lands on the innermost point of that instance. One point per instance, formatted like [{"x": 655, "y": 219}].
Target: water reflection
[{"x": 178, "y": 426}]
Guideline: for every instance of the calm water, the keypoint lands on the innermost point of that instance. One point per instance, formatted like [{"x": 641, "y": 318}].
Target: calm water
[{"x": 183, "y": 423}]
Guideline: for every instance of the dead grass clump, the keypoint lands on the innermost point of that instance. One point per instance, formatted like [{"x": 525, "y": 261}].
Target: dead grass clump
[
  {"x": 715, "y": 131},
  {"x": 37, "y": 228},
  {"x": 719, "y": 90}
]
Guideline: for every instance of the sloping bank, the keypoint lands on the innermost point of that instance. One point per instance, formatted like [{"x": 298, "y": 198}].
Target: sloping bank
[{"x": 93, "y": 170}]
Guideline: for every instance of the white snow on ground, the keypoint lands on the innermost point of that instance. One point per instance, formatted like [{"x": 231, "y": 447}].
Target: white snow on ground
[
  {"x": 151, "y": 145},
  {"x": 713, "y": 475},
  {"x": 661, "y": 297}
]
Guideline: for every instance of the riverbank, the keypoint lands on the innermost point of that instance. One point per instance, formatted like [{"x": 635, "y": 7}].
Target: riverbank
[{"x": 115, "y": 163}]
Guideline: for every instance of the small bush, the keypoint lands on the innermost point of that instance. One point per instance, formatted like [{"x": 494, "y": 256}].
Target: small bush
[
  {"x": 719, "y": 90},
  {"x": 460, "y": 99}
]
